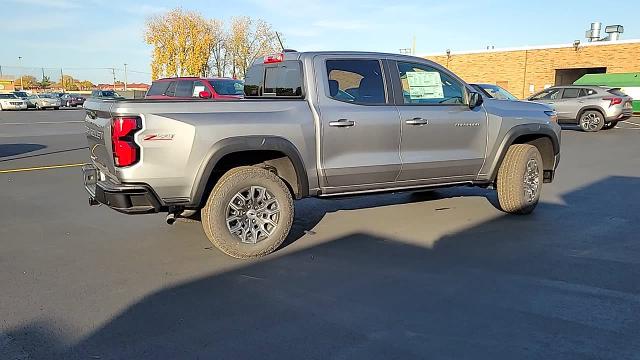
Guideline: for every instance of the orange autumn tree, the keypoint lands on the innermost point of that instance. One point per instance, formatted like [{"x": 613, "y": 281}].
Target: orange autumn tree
[{"x": 182, "y": 43}]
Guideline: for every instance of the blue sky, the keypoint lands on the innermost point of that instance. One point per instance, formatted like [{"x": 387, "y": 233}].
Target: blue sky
[{"x": 79, "y": 35}]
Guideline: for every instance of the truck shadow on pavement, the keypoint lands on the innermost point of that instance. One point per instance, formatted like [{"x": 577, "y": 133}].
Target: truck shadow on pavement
[
  {"x": 559, "y": 284},
  {"x": 7, "y": 150},
  {"x": 19, "y": 149}
]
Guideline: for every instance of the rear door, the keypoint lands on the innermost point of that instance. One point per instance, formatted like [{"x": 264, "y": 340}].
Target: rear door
[
  {"x": 359, "y": 125},
  {"x": 442, "y": 138}
]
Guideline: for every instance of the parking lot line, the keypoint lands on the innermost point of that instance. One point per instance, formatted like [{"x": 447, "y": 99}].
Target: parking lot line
[{"x": 41, "y": 168}]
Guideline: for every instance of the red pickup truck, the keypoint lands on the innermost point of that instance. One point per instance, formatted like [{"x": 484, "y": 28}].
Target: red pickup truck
[{"x": 195, "y": 87}]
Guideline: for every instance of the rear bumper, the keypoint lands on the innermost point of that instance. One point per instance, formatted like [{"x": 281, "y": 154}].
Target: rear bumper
[
  {"x": 125, "y": 198},
  {"x": 622, "y": 115}
]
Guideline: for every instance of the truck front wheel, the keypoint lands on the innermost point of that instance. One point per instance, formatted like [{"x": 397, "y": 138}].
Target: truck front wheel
[
  {"x": 520, "y": 179},
  {"x": 248, "y": 213}
]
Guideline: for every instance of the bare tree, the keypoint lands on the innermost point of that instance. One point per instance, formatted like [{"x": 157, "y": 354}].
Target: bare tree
[
  {"x": 249, "y": 39},
  {"x": 219, "y": 59}
]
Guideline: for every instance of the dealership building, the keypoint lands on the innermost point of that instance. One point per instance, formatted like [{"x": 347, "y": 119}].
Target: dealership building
[{"x": 526, "y": 70}]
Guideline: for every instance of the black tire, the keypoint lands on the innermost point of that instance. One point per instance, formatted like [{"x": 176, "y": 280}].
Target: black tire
[
  {"x": 513, "y": 175},
  {"x": 214, "y": 214},
  {"x": 610, "y": 125},
  {"x": 56, "y": 108},
  {"x": 591, "y": 121}
]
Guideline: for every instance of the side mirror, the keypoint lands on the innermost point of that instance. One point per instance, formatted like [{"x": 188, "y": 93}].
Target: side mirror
[
  {"x": 204, "y": 95},
  {"x": 475, "y": 100}
]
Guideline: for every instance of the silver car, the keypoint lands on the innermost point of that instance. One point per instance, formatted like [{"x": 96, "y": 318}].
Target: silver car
[
  {"x": 44, "y": 101},
  {"x": 591, "y": 107}
]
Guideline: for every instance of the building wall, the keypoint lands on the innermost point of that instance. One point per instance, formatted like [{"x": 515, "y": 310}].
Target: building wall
[{"x": 517, "y": 70}]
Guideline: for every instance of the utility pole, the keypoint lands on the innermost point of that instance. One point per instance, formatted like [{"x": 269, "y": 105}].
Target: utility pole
[
  {"x": 125, "y": 77},
  {"x": 113, "y": 71},
  {"x": 413, "y": 46},
  {"x": 0, "y": 71},
  {"x": 43, "y": 79},
  {"x": 20, "y": 64},
  {"x": 62, "y": 80}
]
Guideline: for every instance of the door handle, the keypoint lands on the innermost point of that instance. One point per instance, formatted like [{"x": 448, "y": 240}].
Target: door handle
[
  {"x": 342, "y": 123},
  {"x": 417, "y": 121}
]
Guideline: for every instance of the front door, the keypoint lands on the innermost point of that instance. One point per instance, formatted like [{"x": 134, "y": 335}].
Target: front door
[
  {"x": 360, "y": 127},
  {"x": 442, "y": 138}
]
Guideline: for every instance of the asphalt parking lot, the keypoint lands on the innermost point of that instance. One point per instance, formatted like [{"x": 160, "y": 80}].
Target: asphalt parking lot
[{"x": 438, "y": 274}]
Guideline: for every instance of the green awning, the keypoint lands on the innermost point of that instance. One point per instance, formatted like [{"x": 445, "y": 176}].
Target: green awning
[{"x": 612, "y": 80}]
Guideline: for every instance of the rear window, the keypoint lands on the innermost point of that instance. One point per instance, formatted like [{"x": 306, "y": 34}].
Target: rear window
[
  {"x": 616, "y": 92},
  {"x": 227, "y": 86},
  {"x": 275, "y": 80},
  {"x": 158, "y": 88}
]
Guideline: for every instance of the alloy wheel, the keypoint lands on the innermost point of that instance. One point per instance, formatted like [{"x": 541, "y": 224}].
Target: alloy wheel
[{"x": 253, "y": 214}]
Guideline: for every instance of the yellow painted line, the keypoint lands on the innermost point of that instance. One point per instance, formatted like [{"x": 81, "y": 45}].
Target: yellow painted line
[{"x": 40, "y": 168}]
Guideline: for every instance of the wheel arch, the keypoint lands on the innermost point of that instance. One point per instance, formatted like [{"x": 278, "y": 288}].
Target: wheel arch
[
  {"x": 591, "y": 107},
  {"x": 543, "y": 138},
  {"x": 273, "y": 152}
]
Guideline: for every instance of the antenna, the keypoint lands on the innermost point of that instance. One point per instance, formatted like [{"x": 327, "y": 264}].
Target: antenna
[{"x": 280, "y": 41}]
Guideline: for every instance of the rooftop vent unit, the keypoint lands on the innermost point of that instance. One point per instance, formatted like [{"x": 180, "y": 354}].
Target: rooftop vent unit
[{"x": 594, "y": 32}]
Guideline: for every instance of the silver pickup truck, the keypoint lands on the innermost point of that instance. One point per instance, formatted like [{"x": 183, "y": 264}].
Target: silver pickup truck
[{"x": 314, "y": 124}]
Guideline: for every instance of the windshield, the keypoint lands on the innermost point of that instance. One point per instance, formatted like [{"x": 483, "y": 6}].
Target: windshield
[
  {"x": 110, "y": 93},
  {"x": 50, "y": 96},
  {"x": 497, "y": 92},
  {"x": 228, "y": 86},
  {"x": 8, "y": 96},
  {"x": 21, "y": 94}
]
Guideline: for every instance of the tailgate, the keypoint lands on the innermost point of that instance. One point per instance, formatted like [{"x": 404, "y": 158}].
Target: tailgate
[{"x": 98, "y": 130}]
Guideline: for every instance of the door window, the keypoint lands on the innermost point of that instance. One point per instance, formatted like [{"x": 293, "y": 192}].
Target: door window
[
  {"x": 171, "y": 90},
  {"x": 571, "y": 93},
  {"x": 158, "y": 88},
  {"x": 184, "y": 88},
  {"x": 356, "y": 81},
  {"x": 549, "y": 94},
  {"x": 423, "y": 84},
  {"x": 198, "y": 86}
]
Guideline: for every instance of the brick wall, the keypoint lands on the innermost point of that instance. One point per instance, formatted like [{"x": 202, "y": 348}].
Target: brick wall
[{"x": 508, "y": 69}]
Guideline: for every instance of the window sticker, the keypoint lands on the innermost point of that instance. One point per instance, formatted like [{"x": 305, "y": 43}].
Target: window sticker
[
  {"x": 197, "y": 89},
  {"x": 425, "y": 85}
]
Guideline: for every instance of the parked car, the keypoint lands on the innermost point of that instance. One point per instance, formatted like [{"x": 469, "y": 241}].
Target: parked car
[
  {"x": 25, "y": 97},
  {"x": 494, "y": 91},
  {"x": 71, "y": 100},
  {"x": 591, "y": 107},
  {"x": 106, "y": 94},
  {"x": 193, "y": 87},
  {"x": 44, "y": 101},
  {"x": 242, "y": 163},
  {"x": 11, "y": 102}
]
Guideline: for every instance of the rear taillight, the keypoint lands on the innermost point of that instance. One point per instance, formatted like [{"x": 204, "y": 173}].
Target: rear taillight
[
  {"x": 125, "y": 150},
  {"x": 613, "y": 100}
]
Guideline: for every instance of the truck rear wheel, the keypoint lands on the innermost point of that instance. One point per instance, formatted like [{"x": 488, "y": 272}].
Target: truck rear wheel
[
  {"x": 520, "y": 179},
  {"x": 248, "y": 213}
]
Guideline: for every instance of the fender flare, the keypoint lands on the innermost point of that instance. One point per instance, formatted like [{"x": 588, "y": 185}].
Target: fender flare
[
  {"x": 516, "y": 132},
  {"x": 248, "y": 143}
]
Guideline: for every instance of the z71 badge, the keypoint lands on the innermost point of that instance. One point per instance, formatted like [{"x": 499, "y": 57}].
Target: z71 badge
[{"x": 158, "y": 137}]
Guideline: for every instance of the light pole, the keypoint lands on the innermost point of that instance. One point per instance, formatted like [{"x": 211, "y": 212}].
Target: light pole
[
  {"x": 20, "y": 64},
  {"x": 125, "y": 77}
]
